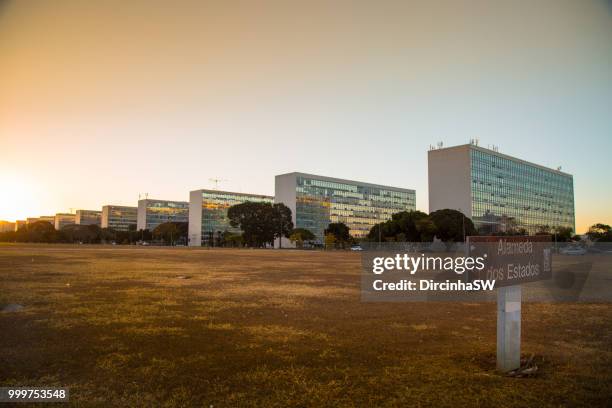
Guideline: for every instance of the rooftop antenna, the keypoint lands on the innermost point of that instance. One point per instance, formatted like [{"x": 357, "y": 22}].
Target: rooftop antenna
[
  {"x": 216, "y": 181},
  {"x": 440, "y": 145},
  {"x": 559, "y": 168}
]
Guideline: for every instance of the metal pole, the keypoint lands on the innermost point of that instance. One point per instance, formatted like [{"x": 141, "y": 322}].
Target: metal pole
[
  {"x": 280, "y": 236},
  {"x": 508, "y": 328}
]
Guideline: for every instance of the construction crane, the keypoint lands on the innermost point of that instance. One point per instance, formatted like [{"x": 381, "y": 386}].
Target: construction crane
[{"x": 216, "y": 181}]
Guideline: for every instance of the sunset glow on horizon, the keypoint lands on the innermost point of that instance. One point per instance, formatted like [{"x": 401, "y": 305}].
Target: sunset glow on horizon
[{"x": 101, "y": 102}]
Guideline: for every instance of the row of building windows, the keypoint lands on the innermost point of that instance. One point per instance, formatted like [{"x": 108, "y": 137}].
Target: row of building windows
[
  {"x": 529, "y": 196},
  {"x": 320, "y": 202}
]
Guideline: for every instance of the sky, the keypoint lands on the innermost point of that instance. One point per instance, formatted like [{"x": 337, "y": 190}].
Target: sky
[{"x": 103, "y": 101}]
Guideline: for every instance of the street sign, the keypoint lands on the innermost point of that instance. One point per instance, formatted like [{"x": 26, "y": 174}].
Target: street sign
[{"x": 511, "y": 261}]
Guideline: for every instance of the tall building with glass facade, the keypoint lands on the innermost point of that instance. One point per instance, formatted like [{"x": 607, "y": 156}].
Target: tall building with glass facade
[
  {"x": 208, "y": 212},
  {"x": 152, "y": 212},
  {"x": 119, "y": 217},
  {"x": 88, "y": 217},
  {"x": 63, "y": 219},
  {"x": 499, "y": 192},
  {"x": 317, "y": 201}
]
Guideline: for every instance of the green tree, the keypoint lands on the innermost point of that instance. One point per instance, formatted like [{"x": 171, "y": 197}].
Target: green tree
[
  {"x": 563, "y": 234},
  {"x": 171, "y": 232},
  {"x": 108, "y": 234},
  {"x": 543, "y": 230},
  {"x": 600, "y": 232},
  {"x": 403, "y": 226},
  {"x": 452, "y": 225},
  {"x": 8, "y": 236},
  {"x": 340, "y": 231},
  {"x": 73, "y": 233},
  {"x": 330, "y": 240},
  {"x": 232, "y": 240},
  {"x": 406, "y": 222},
  {"x": 261, "y": 223},
  {"x": 300, "y": 235},
  {"x": 426, "y": 229},
  {"x": 282, "y": 218},
  {"x": 41, "y": 231}
]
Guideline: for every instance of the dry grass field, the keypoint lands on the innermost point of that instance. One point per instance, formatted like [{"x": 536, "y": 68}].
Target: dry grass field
[{"x": 177, "y": 327}]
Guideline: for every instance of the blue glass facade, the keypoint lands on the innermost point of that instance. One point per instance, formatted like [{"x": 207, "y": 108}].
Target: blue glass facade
[
  {"x": 152, "y": 213},
  {"x": 510, "y": 193},
  {"x": 321, "y": 201},
  {"x": 119, "y": 217},
  {"x": 214, "y": 210}
]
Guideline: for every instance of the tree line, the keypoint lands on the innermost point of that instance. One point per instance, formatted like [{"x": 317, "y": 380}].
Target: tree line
[
  {"x": 44, "y": 232},
  {"x": 261, "y": 224}
]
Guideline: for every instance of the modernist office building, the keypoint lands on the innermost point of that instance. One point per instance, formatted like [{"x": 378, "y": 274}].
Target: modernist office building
[
  {"x": 317, "y": 201},
  {"x": 49, "y": 218},
  {"x": 151, "y": 213},
  {"x": 6, "y": 226},
  {"x": 62, "y": 219},
  {"x": 88, "y": 217},
  {"x": 119, "y": 217},
  {"x": 498, "y": 191},
  {"x": 208, "y": 212}
]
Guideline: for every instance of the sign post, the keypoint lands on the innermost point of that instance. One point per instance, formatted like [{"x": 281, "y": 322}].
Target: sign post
[
  {"x": 508, "y": 328},
  {"x": 511, "y": 261}
]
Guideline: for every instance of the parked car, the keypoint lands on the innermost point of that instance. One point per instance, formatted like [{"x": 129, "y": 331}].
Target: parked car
[
  {"x": 356, "y": 248},
  {"x": 573, "y": 250}
]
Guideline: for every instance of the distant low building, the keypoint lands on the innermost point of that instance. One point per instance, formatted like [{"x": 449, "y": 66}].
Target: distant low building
[
  {"x": 19, "y": 224},
  {"x": 6, "y": 226},
  {"x": 208, "y": 212},
  {"x": 63, "y": 219},
  {"x": 88, "y": 217},
  {"x": 152, "y": 212},
  {"x": 49, "y": 218},
  {"x": 119, "y": 217}
]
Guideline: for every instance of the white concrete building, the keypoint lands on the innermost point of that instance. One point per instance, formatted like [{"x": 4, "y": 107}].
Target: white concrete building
[
  {"x": 88, "y": 217},
  {"x": 63, "y": 219}
]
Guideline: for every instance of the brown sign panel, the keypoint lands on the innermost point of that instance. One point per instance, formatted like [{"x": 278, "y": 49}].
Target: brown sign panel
[{"x": 512, "y": 260}]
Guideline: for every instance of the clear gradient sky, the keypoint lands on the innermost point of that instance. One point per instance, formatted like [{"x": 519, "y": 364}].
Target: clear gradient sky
[{"x": 101, "y": 101}]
